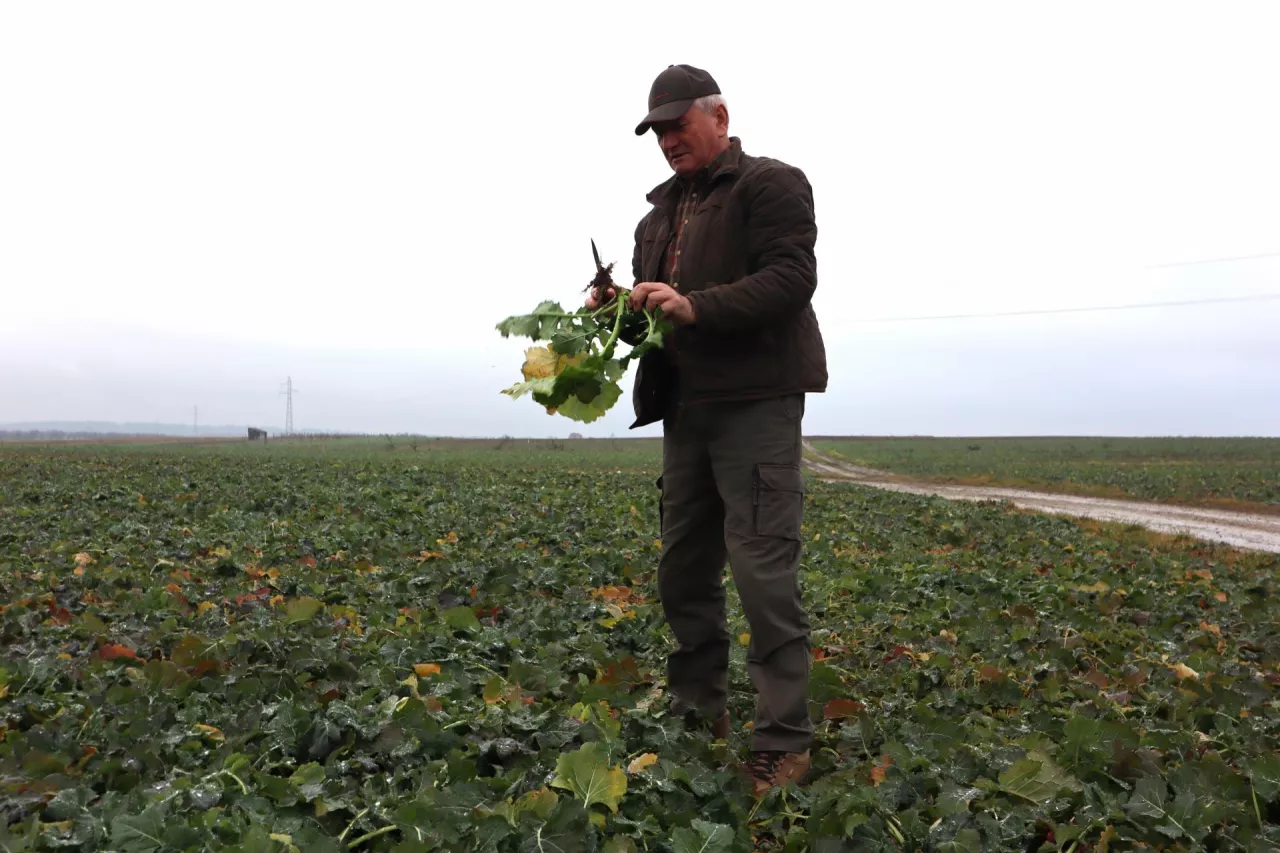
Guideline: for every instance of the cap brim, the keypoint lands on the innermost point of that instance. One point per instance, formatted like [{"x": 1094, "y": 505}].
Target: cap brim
[{"x": 666, "y": 112}]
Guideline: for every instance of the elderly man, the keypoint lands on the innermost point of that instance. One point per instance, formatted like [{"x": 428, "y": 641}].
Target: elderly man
[{"x": 727, "y": 253}]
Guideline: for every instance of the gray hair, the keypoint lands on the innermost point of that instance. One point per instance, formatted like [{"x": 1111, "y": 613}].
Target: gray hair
[{"x": 708, "y": 103}]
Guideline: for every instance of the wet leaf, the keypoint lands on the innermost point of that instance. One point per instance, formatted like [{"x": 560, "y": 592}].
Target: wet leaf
[
  {"x": 702, "y": 837},
  {"x": 1036, "y": 779},
  {"x": 586, "y": 773}
]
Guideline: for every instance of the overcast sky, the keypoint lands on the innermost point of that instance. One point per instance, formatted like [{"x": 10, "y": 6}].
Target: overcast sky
[{"x": 198, "y": 200}]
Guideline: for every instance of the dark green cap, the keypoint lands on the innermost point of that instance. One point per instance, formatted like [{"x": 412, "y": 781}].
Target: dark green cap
[{"x": 674, "y": 91}]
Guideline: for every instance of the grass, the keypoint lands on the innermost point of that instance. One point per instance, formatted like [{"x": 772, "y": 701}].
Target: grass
[{"x": 1230, "y": 473}]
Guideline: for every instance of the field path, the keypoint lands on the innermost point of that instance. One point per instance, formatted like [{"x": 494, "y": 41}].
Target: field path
[{"x": 1238, "y": 529}]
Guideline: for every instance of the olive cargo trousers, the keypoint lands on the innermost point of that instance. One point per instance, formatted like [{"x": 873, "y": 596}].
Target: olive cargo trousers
[{"x": 731, "y": 488}]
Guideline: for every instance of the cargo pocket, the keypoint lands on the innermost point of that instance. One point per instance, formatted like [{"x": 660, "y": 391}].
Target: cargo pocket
[{"x": 778, "y": 499}]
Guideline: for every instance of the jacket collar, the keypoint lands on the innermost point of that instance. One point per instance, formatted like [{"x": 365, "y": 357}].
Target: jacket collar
[{"x": 727, "y": 164}]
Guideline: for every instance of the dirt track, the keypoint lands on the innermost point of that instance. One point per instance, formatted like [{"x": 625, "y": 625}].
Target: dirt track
[{"x": 1238, "y": 529}]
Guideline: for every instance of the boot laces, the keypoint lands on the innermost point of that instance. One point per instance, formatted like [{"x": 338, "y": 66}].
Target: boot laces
[{"x": 764, "y": 764}]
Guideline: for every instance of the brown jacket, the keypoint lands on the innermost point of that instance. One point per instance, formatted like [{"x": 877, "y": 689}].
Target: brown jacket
[{"x": 747, "y": 264}]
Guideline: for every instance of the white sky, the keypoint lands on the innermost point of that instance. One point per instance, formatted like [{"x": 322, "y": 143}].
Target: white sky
[{"x": 197, "y": 200}]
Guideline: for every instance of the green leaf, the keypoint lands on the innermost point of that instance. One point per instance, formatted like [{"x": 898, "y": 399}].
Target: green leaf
[
  {"x": 1148, "y": 798},
  {"x": 461, "y": 618},
  {"x": 965, "y": 841},
  {"x": 142, "y": 833},
  {"x": 1036, "y": 779},
  {"x": 536, "y": 324},
  {"x": 954, "y": 799},
  {"x": 1265, "y": 774},
  {"x": 309, "y": 780},
  {"x": 302, "y": 609},
  {"x": 620, "y": 844},
  {"x": 567, "y": 830},
  {"x": 587, "y": 774},
  {"x": 702, "y": 837},
  {"x": 586, "y": 412}
]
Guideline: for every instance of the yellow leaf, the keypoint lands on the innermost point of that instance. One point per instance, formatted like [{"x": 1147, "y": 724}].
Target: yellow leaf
[
  {"x": 878, "y": 772},
  {"x": 212, "y": 732},
  {"x": 430, "y": 555},
  {"x": 426, "y": 670},
  {"x": 1183, "y": 671},
  {"x": 78, "y": 571},
  {"x": 948, "y": 636},
  {"x": 64, "y": 656},
  {"x": 744, "y": 639},
  {"x": 204, "y": 607},
  {"x": 641, "y": 762},
  {"x": 1220, "y": 596},
  {"x": 1104, "y": 840},
  {"x": 83, "y": 559},
  {"x": 1099, "y": 587},
  {"x": 1211, "y": 628},
  {"x": 450, "y": 538},
  {"x": 544, "y": 362},
  {"x": 275, "y": 599},
  {"x": 286, "y": 840}
]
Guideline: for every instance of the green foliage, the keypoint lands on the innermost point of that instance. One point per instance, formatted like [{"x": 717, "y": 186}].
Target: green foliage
[
  {"x": 315, "y": 647},
  {"x": 576, "y": 374}
]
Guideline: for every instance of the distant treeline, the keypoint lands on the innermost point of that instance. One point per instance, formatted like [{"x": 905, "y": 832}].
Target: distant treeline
[
  {"x": 94, "y": 435},
  {"x": 58, "y": 434}
]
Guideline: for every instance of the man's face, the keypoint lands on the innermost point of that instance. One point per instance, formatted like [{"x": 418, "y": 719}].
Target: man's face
[{"x": 693, "y": 140}]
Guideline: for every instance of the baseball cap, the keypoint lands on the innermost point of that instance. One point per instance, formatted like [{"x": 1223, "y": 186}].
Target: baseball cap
[{"x": 674, "y": 91}]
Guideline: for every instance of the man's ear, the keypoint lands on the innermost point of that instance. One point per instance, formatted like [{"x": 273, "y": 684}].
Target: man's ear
[{"x": 722, "y": 119}]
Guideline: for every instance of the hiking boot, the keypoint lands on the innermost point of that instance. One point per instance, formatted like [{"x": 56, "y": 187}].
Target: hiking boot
[
  {"x": 773, "y": 769},
  {"x": 718, "y": 726}
]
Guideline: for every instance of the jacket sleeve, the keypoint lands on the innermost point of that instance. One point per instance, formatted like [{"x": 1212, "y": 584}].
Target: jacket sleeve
[
  {"x": 780, "y": 234},
  {"x": 635, "y": 254}
]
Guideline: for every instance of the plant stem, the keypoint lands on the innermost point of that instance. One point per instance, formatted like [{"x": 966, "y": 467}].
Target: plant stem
[
  {"x": 243, "y": 789},
  {"x": 369, "y": 836},
  {"x": 613, "y": 338},
  {"x": 1256, "y": 811},
  {"x": 361, "y": 814}
]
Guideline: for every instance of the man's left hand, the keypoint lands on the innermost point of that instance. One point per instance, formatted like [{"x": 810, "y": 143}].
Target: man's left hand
[{"x": 655, "y": 294}]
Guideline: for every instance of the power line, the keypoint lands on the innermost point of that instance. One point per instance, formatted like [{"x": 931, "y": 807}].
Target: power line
[
  {"x": 1215, "y": 260},
  {"x": 1211, "y": 301}
]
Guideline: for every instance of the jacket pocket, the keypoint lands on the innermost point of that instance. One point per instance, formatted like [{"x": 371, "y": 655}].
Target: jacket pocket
[{"x": 778, "y": 498}]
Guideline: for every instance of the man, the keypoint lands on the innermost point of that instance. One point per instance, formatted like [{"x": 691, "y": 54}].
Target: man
[{"x": 727, "y": 253}]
